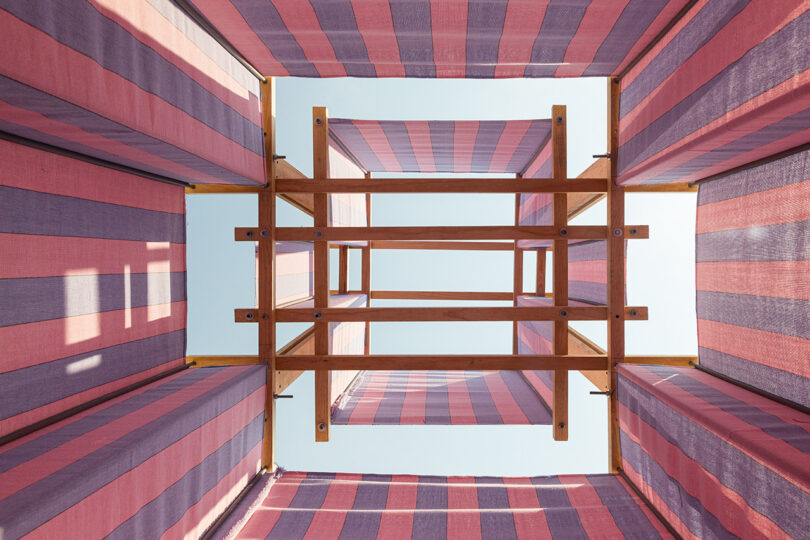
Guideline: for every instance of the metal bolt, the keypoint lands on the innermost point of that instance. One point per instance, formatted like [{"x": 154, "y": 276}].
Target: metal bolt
[
  {"x": 561, "y": 425},
  {"x": 633, "y": 313},
  {"x": 633, "y": 231},
  {"x": 249, "y": 315},
  {"x": 606, "y": 155},
  {"x": 318, "y": 233},
  {"x": 563, "y": 232},
  {"x": 318, "y": 121},
  {"x": 264, "y": 233},
  {"x": 563, "y": 313},
  {"x": 264, "y": 316},
  {"x": 318, "y": 314},
  {"x": 606, "y": 393},
  {"x": 322, "y": 426},
  {"x": 617, "y": 232},
  {"x": 249, "y": 234},
  {"x": 559, "y": 119}
]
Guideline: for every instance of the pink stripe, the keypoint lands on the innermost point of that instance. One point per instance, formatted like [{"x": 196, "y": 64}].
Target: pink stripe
[
  {"x": 133, "y": 107},
  {"x": 743, "y": 521},
  {"x": 73, "y": 178},
  {"x": 505, "y": 403},
  {"x": 537, "y": 164},
  {"x": 777, "y": 279},
  {"x": 402, "y": 491},
  {"x": 464, "y": 145},
  {"x": 545, "y": 392},
  {"x": 522, "y": 24},
  {"x": 532, "y": 204},
  {"x": 65, "y": 255},
  {"x": 376, "y": 26},
  {"x": 463, "y": 516},
  {"x": 522, "y": 495},
  {"x": 458, "y": 398},
  {"x": 327, "y": 523},
  {"x": 369, "y": 402},
  {"x": 40, "y": 342},
  {"x": 231, "y": 23},
  {"x": 278, "y": 499},
  {"x": 151, "y": 28},
  {"x": 596, "y": 24},
  {"x": 508, "y": 143},
  {"x": 422, "y": 145},
  {"x": 302, "y": 23},
  {"x": 533, "y": 340},
  {"x": 413, "y": 406},
  {"x": 754, "y": 24},
  {"x": 448, "y": 21},
  {"x": 654, "y": 520},
  {"x": 596, "y": 519},
  {"x": 50, "y": 462},
  {"x": 771, "y": 207},
  {"x": 375, "y": 137},
  {"x": 151, "y": 478},
  {"x": 593, "y": 271},
  {"x": 769, "y": 349}
]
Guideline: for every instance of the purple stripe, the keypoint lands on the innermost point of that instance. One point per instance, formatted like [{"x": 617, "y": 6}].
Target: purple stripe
[
  {"x": 486, "y": 140},
  {"x": 542, "y": 216},
  {"x": 767, "y": 135},
  {"x": 160, "y": 514},
  {"x": 773, "y": 496},
  {"x": 529, "y": 402},
  {"x": 737, "y": 84},
  {"x": 560, "y": 24},
  {"x": 294, "y": 247},
  {"x": 442, "y": 138},
  {"x": 543, "y": 329},
  {"x": 782, "y": 383},
  {"x": 547, "y": 378},
  {"x": 29, "y": 98},
  {"x": 626, "y": 513},
  {"x": 431, "y": 494},
  {"x": 310, "y": 495},
  {"x": 592, "y": 250},
  {"x": 390, "y": 407},
  {"x": 481, "y": 400},
  {"x": 400, "y": 142},
  {"x": 635, "y": 19},
  {"x": 27, "y": 300},
  {"x": 484, "y": 29},
  {"x": 437, "y": 403},
  {"x": 787, "y": 171},
  {"x": 498, "y": 524},
  {"x": 783, "y": 242},
  {"x": 696, "y": 33},
  {"x": 266, "y": 23},
  {"x": 784, "y": 316},
  {"x": 39, "y": 502},
  {"x": 337, "y": 21},
  {"x": 561, "y": 516},
  {"x": 351, "y": 137},
  {"x": 369, "y": 502},
  {"x": 35, "y": 386},
  {"x": 588, "y": 292},
  {"x": 412, "y": 26},
  {"x": 538, "y": 132},
  {"x": 118, "y": 51},
  {"x": 341, "y": 416}
]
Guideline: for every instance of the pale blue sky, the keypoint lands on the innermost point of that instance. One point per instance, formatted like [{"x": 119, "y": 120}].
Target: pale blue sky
[{"x": 660, "y": 275}]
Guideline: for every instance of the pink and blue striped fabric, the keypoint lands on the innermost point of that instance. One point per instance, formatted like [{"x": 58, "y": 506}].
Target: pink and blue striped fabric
[
  {"x": 92, "y": 282},
  {"x": 442, "y": 146},
  {"x": 440, "y": 38},
  {"x": 161, "y": 461},
  {"x": 295, "y": 265},
  {"x": 716, "y": 460},
  {"x": 345, "y": 209},
  {"x": 368, "y": 506},
  {"x": 440, "y": 398},
  {"x": 728, "y": 84},
  {"x": 753, "y": 263},
  {"x": 136, "y": 83}
]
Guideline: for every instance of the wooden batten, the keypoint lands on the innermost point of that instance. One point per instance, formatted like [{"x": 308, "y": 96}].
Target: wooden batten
[
  {"x": 447, "y": 246},
  {"x": 444, "y": 185},
  {"x": 302, "y": 201},
  {"x": 560, "y": 209},
  {"x": 440, "y": 295},
  {"x": 443, "y": 362},
  {"x": 540, "y": 286}
]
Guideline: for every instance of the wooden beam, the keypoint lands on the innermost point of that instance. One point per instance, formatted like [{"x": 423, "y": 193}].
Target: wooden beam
[
  {"x": 440, "y": 295},
  {"x": 320, "y": 168},
  {"x": 365, "y": 278},
  {"x": 540, "y": 287},
  {"x": 304, "y": 343},
  {"x": 560, "y": 211},
  {"x": 223, "y": 360},
  {"x": 302, "y": 201},
  {"x": 203, "y": 189},
  {"x": 678, "y": 187},
  {"x": 343, "y": 269},
  {"x": 579, "y": 202},
  {"x": 579, "y": 344},
  {"x": 663, "y": 360},
  {"x": 443, "y": 185},
  {"x": 442, "y": 362},
  {"x": 447, "y": 246}
]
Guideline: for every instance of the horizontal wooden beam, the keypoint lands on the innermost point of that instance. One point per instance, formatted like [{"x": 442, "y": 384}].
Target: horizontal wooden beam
[
  {"x": 441, "y": 362},
  {"x": 440, "y": 295},
  {"x": 222, "y": 360},
  {"x": 303, "y": 201},
  {"x": 679, "y": 187},
  {"x": 443, "y": 185},
  {"x": 504, "y": 232},
  {"x": 664, "y": 360},
  {"x": 447, "y": 246},
  {"x": 202, "y": 189}
]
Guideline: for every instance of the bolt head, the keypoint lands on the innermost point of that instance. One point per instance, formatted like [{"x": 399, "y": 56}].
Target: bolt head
[
  {"x": 249, "y": 315},
  {"x": 561, "y": 425},
  {"x": 318, "y": 121},
  {"x": 318, "y": 314},
  {"x": 617, "y": 232},
  {"x": 563, "y": 313},
  {"x": 249, "y": 234},
  {"x": 321, "y": 426},
  {"x": 264, "y": 233},
  {"x": 633, "y": 313},
  {"x": 559, "y": 119},
  {"x": 563, "y": 232},
  {"x": 318, "y": 233}
]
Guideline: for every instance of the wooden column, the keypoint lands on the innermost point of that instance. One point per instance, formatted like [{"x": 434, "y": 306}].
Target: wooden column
[
  {"x": 365, "y": 277},
  {"x": 267, "y": 256},
  {"x": 343, "y": 269},
  {"x": 320, "y": 172},
  {"x": 540, "y": 289},
  {"x": 517, "y": 279},
  {"x": 559, "y": 171},
  {"x": 615, "y": 253}
]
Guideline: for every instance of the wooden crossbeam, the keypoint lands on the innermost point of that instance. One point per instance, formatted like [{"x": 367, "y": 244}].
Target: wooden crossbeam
[
  {"x": 448, "y": 246},
  {"x": 540, "y": 286},
  {"x": 320, "y": 168},
  {"x": 443, "y": 362},
  {"x": 560, "y": 211},
  {"x": 440, "y": 295},
  {"x": 678, "y": 187},
  {"x": 443, "y": 185}
]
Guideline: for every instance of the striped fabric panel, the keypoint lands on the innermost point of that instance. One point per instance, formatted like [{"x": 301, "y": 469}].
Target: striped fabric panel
[
  {"x": 753, "y": 263},
  {"x": 294, "y": 272},
  {"x": 137, "y": 83},
  {"x": 432, "y": 39},
  {"x": 367, "y": 506},
  {"x": 537, "y": 209},
  {"x": 92, "y": 284},
  {"x": 709, "y": 96},
  {"x": 345, "y": 209},
  {"x": 180, "y": 448},
  {"x": 460, "y": 146},
  {"x": 441, "y": 398},
  {"x": 716, "y": 460}
]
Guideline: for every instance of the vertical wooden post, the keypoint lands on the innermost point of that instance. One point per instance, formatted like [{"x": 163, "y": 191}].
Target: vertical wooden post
[
  {"x": 560, "y": 172},
  {"x": 343, "y": 269},
  {"x": 616, "y": 270},
  {"x": 540, "y": 289},
  {"x": 266, "y": 270},
  {"x": 320, "y": 171},
  {"x": 517, "y": 280},
  {"x": 365, "y": 277}
]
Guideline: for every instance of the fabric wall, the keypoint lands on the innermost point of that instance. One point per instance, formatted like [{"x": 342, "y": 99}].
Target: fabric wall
[
  {"x": 137, "y": 83},
  {"x": 441, "y": 398},
  {"x": 294, "y": 272},
  {"x": 346, "y": 209},
  {"x": 92, "y": 282},
  {"x": 321, "y": 505},
  {"x": 448, "y": 38},
  {"x": 537, "y": 209},
  {"x": 165, "y": 459},
  {"x": 728, "y": 85},
  {"x": 345, "y": 338},
  {"x": 717, "y": 461},
  {"x": 753, "y": 263}
]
